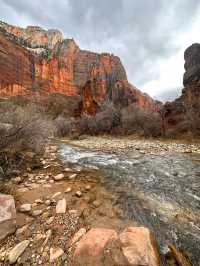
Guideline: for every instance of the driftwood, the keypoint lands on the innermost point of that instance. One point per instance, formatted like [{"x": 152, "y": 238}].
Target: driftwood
[{"x": 180, "y": 258}]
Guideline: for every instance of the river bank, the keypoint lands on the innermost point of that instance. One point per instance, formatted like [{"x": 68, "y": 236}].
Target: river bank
[{"x": 87, "y": 179}]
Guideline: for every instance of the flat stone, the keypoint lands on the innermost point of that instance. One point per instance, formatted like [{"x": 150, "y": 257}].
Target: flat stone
[
  {"x": 25, "y": 207},
  {"x": 55, "y": 253},
  {"x": 17, "y": 251},
  {"x": 59, "y": 177},
  {"x": 7, "y": 215},
  {"x": 37, "y": 212},
  {"x": 68, "y": 170},
  {"x": 61, "y": 206}
]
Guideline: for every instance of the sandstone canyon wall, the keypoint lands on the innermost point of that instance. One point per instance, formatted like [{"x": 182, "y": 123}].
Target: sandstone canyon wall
[
  {"x": 183, "y": 115},
  {"x": 36, "y": 61}
]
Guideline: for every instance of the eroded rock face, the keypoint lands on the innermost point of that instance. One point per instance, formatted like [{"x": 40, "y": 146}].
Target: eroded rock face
[
  {"x": 7, "y": 215},
  {"x": 34, "y": 60},
  {"x": 182, "y": 116}
]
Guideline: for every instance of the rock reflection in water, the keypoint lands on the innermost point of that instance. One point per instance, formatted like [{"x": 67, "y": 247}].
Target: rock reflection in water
[{"x": 160, "y": 191}]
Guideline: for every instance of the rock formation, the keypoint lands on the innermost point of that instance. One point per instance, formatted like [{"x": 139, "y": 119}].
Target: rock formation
[
  {"x": 34, "y": 60},
  {"x": 182, "y": 116}
]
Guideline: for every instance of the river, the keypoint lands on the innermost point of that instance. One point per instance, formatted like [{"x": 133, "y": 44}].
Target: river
[{"x": 161, "y": 191}]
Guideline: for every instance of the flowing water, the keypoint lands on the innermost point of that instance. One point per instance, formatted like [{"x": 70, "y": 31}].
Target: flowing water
[{"x": 159, "y": 191}]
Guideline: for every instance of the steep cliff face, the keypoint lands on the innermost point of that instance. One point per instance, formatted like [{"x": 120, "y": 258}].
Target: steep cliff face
[
  {"x": 39, "y": 61},
  {"x": 183, "y": 115}
]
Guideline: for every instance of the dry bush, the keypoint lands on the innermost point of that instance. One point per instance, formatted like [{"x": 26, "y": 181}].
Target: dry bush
[
  {"x": 64, "y": 126},
  {"x": 135, "y": 120},
  {"x": 103, "y": 122}
]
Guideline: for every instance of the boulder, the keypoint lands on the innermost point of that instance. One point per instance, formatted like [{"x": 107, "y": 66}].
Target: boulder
[
  {"x": 139, "y": 246},
  {"x": 7, "y": 215},
  {"x": 91, "y": 249},
  {"x": 104, "y": 247}
]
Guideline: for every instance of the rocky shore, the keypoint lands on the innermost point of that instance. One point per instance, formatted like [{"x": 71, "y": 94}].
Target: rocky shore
[{"x": 143, "y": 146}]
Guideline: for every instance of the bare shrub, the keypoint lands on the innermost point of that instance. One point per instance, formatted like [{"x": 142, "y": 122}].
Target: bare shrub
[
  {"x": 64, "y": 126},
  {"x": 102, "y": 122},
  {"x": 135, "y": 120}
]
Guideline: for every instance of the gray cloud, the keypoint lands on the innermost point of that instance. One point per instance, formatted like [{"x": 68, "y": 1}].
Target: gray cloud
[{"x": 143, "y": 33}]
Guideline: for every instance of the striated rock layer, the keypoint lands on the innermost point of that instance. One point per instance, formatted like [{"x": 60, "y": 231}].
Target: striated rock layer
[
  {"x": 34, "y": 60},
  {"x": 183, "y": 115}
]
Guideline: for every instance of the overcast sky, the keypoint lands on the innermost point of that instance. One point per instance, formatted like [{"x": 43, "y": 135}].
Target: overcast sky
[{"x": 149, "y": 36}]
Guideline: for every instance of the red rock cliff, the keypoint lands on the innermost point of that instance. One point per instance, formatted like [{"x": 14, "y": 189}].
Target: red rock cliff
[{"x": 35, "y": 60}]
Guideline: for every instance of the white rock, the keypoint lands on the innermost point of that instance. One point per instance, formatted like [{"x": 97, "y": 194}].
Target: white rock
[
  {"x": 73, "y": 176},
  {"x": 69, "y": 189},
  {"x": 56, "y": 195},
  {"x": 68, "y": 170},
  {"x": 55, "y": 253},
  {"x": 47, "y": 202},
  {"x": 37, "y": 212},
  {"x": 17, "y": 251},
  {"x": 78, "y": 193},
  {"x": 25, "y": 207},
  {"x": 59, "y": 177},
  {"x": 61, "y": 206}
]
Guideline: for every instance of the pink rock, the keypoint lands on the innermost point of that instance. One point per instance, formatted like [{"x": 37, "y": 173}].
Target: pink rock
[
  {"x": 7, "y": 215},
  {"x": 103, "y": 247},
  {"x": 139, "y": 246},
  {"x": 91, "y": 249}
]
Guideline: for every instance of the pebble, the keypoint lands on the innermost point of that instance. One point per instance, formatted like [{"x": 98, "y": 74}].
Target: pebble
[
  {"x": 50, "y": 220},
  {"x": 73, "y": 176},
  {"x": 96, "y": 203},
  {"x": 61, "y": 206},
  {"x": 21, "y": 230},
  {"x": 59, "y": 177},
  {"x": 55, "y": 253},
  {"x": 88, "y": 187},
  {"x": 69, "y": 189},
  {"x": 78, "y": 193},
  {"x": 47, "y": 202},
  {"x": 25, "y": 207},
  {"x": 38, "y": 201},
  {"x": 37, "y": 212},
  {"x": 17, "y": 251},
  {"x": 68, "y": 170},
  {"x": 17, "y": 180}
]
